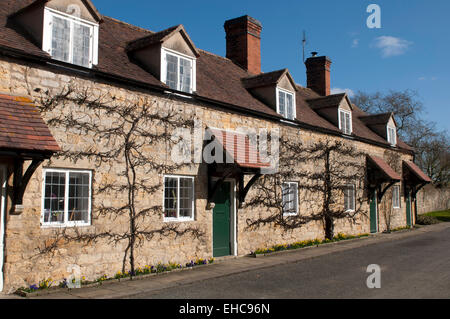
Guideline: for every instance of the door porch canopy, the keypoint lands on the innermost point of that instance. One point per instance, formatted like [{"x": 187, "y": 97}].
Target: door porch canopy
[
  {"x": 415, "y": 179},
  {"x": 240, "y": 157},
  {"x": 379, "y": 173},
  {"x": 24, "y": 136}
]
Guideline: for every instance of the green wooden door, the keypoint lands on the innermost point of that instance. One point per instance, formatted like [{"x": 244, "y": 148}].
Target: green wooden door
[
  {"x": 408, "y": 210},
  {"x": 374, "y": 214},
  {"x": 222, "y": 221}
]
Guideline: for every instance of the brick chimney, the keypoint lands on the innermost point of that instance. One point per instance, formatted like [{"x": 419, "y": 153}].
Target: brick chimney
[
  {"x": 243, "y": 36},
  {"x": 318, "y": 74}
]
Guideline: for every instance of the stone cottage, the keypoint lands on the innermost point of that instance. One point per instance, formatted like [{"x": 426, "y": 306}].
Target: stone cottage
[{"x": 72, "y": 81}]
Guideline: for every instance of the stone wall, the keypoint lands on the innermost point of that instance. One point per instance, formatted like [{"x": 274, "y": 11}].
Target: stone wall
[
  {"x": 25, "y": 241},
  {"x": 432, "y": 199}
]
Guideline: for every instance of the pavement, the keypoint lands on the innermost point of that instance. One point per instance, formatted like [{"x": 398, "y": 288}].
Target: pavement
[{"x": 239, "y": 274}]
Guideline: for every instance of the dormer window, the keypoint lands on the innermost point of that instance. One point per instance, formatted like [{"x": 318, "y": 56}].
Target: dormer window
[
  {"x": 178, "y": 71},
  {"x": 285, "y": 104},
  {"x": 345, "y": 122},
  {"x": 70, "y": 39},
  {"x": 392, "y": 135}
]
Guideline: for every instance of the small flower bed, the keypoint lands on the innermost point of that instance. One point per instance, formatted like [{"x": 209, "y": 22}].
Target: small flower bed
[
  {"x": 43, "y": 285},
  {"x": 140, "y": 271},
  {"x": 306, "y": 243},
  {"x": 400, "y": 229}
]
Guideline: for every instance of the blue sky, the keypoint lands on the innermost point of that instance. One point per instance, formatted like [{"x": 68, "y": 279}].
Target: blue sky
[{"x": 410, "y": 51}]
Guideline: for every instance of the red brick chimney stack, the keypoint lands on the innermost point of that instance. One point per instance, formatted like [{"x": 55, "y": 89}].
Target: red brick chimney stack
[
  {"x": 243, "y": 37},
  {"x": 318, "y": 74}
]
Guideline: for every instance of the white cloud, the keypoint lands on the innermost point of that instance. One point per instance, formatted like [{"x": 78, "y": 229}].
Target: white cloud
[
  {"x": 349, "y": 92},
  {"x": 391, "y": 46},
  {"x": 423, "y": 78}
]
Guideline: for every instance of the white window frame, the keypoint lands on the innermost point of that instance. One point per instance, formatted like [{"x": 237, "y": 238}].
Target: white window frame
[
  {"x": 178, "y": 218},
  {"x": 353, "y": 187},
  {"x": 344, "y": 129},
  {"x": 48, "y": 31},
  {"x": 164, "y": 52},
  {"x": 396, "y": 187},
  {"x": 296, "y": 198},
  {"x": 66, "y": 224},
  {"x": 294, "y": 104},
  {"x": 394, "y": 135}
]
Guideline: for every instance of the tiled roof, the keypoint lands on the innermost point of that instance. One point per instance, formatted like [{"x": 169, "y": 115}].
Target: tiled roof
[
  {"x": 376, "y": 118},
  {"x": 22, "y": 128},
  {"x": 150, "y": 39},
  {"x": 384, "y": 168},
  {"x": 160, "y": 37},
  {"x": 218, "y": 79},
  {"x": 264, "y": 79},
  {"x": 326, "y": 101},
  {"x": 413, "y": 168}
]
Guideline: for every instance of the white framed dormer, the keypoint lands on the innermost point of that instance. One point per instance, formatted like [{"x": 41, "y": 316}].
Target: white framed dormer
[
  {"x": 392, "y": 135},
  {"x": 178, "y": 71},
  {"x": 345, "y": 121},
  {"x": 70, "y": 39},
  {"x": 286, "y": 105}
]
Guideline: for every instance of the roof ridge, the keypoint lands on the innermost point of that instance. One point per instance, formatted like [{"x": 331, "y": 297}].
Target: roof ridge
[
  {"x": 130, "y": 25},
  {"x": 376, "y": 114},
  {"x": 266, "y": 73},
  {"x": 214, "y": 54},
  {"x": 327, "y": 96}
]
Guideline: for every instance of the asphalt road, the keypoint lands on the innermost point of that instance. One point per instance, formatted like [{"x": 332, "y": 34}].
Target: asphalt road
[{"x": 415, "y": 267}]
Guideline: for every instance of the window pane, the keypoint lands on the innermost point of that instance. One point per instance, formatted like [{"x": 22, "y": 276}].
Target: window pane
[
  {"x": 349, "y": 198},
  {"x": 282, "y": 103},
  {"x": 61, "y": 39},
  {"x": 396, "y": 196},
  {"x": 185, "y": 75},
  {"x": 54, "y": 197},
  {"x": 342, "y": 120},
  {"x": 79, "y": 186},
  {"x": 172, "y": 71},
  {"x": 186, "y": 197},
  {"x": 289, "y": 200},
  {"x": 347, "y": 123},
  {"x": 81, "y": 44},
  {"x": 290, "y": 107},
  {"x": 170, "y": 197}
]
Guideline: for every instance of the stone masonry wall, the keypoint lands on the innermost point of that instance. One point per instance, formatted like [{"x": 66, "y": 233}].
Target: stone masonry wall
[
  {"x": 25, "y": 238},
  {"x": 432, "y": 199}
]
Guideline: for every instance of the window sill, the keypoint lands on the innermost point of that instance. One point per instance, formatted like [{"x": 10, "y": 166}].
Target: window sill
[
  {"x": 61, "y": 226},
  {"x": 290, "y": 214},
  {"x": 178, "y": 220}
]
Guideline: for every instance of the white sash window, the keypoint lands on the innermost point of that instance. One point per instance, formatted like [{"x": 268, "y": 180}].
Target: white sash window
[
  {"x": 345, "y": 122},
  {"x": 178, "y": 71},
  {"x": 66, "y": 199},
  {"x": 286, "y": 104},
  {"x": 70, "y": 39},
  {"x": 290, "y": 198},
  {"x": 392, "y": 135},
  {"x": 349, "y": 198},
  {"x": 178, "y": 198}
]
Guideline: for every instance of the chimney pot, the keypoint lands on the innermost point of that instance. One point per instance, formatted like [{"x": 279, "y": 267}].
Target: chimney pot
[
  {"x": 243, "y": 36},
  {"x": 318, "y": 74}
]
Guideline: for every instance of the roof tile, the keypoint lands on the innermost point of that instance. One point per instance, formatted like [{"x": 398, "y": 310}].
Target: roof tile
[{"x": 21, "y": 126}]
